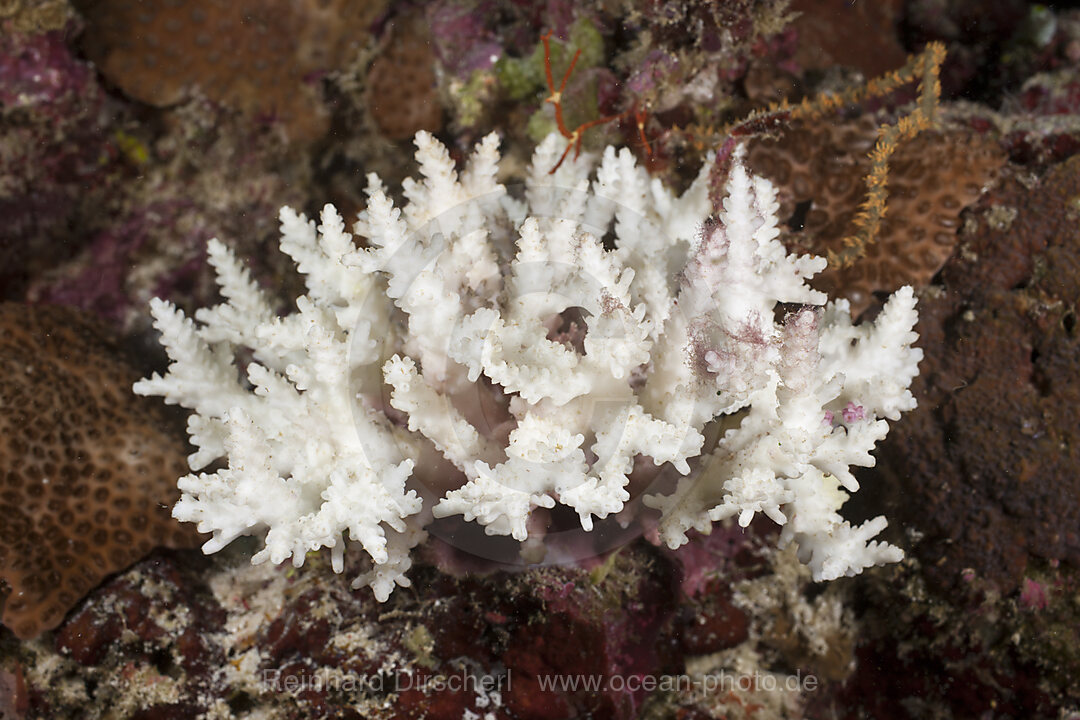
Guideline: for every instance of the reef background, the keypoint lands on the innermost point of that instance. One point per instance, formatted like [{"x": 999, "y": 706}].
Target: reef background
[{"x": 132, "y": 132}]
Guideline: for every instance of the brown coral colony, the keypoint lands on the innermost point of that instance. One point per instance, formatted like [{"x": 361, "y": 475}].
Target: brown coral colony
[
  {"x": 88, "y": 469},
  {"x": 256, "y": 56},
  {"x": 402, "y": 94},
  {"x": 933, "y": 177}
]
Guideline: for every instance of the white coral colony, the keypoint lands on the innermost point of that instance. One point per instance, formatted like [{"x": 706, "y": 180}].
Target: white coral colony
[{"x": 533, "y": 366}]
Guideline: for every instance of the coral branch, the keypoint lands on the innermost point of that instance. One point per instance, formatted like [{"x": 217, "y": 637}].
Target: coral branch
[{"x": 491, "y": 358}]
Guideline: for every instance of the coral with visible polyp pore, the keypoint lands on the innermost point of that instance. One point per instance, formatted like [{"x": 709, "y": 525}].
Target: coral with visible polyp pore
[{"x": 527, "y": 363}]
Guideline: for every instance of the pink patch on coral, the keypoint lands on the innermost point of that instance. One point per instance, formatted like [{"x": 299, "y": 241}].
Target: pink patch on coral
[
  {"x": 1032, "y": 595},
  {"x": 853, "y": 412}
]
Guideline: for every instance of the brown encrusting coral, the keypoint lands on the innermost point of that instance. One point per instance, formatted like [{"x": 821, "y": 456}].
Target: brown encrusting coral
[
  {"x": 402, "y": 94},
  {"x": 861, "y": 36},
  {"x": 819, "y": 170},
  {"x": 263, "y": 57},
  {"x": 986, "y": 466},
  {"x": 88, "y": 469}
]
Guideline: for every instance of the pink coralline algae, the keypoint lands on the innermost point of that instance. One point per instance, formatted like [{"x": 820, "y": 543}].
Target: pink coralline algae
[
  {"x": 461, "y": 38},
  {"x": 1032, "y": 595},
  {"x": 657, "y": 68},
  {"x": 39, "y": 71},
  {"x": 281, "y": 629},
  {"x": 105, "y": 284},
  {"x": 57, "y": 153}
]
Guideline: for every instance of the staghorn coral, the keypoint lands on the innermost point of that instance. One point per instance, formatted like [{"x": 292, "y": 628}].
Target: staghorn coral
[
  {"x": 932, "y": 178},
  {"x": 257, "y": 56},
  {"x": 87, "y": 469},
  {"x": 535, "y": 368}
]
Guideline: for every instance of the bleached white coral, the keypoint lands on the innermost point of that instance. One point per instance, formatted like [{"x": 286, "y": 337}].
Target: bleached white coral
[{"x": 489, "y": 356}]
